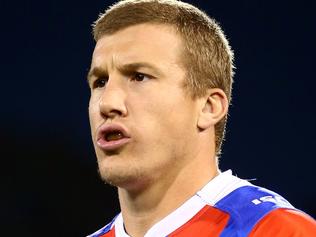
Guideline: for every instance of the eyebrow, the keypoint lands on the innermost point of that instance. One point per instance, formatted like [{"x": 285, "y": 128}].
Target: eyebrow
[
  {"x": 124, "y": 69},
  {"x": 96, "y": 72},
  {"x": 132, "y": 67}
]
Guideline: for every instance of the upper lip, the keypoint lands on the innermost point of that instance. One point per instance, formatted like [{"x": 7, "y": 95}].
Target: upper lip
[{"x": 108, "y": 128}]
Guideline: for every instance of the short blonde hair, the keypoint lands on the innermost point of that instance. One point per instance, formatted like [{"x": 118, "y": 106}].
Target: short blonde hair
[{"x": 207, "y": 56}]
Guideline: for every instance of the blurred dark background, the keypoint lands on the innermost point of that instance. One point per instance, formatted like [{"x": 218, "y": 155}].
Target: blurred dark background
[{"x": 50, "y": 185}]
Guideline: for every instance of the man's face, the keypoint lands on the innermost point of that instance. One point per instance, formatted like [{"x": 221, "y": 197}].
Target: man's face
[{"x": 143, "y": 123}]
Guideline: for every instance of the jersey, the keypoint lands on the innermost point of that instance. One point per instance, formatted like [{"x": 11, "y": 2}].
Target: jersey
[{"x": 227, "y": 207}]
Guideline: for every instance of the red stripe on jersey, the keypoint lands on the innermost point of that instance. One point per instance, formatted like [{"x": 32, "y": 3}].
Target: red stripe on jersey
[
  {"x": 284, "y": 222},
  {"x": 209, "y": 221}
]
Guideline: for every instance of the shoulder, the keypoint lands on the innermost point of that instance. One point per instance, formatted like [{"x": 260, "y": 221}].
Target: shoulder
[
  {"x": 285, "y": 222},
  {"x": 258, "y": 212},
  {"x": 247, "y": 206}
]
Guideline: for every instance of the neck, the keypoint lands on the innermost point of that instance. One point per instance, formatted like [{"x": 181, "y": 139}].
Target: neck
[{"x": 141, "y": 210}]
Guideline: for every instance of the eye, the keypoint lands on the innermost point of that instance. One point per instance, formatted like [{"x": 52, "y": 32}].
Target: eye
[
  {"x": 100, "y": 82},
  {"x": 139, "y": 76}
]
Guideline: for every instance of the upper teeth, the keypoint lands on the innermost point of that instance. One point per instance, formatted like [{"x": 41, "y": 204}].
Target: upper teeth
[{"x": 115, "y": 135}]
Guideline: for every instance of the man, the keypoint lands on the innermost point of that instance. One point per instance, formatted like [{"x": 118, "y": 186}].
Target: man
[{"x": 160, "y": 79}]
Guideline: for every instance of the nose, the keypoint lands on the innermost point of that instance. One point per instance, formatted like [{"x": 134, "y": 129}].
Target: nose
[{"x": 112, "y": 102}]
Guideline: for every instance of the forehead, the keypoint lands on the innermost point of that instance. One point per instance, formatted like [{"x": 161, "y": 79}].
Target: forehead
[{"x": 149, "y": 42}]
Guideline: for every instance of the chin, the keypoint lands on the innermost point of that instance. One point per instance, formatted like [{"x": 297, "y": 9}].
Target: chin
[
  {"x": 126, "y": 178},
  {"x": 117, "y": 175}
]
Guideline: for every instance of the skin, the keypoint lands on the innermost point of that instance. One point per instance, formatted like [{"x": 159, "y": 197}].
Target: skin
[{"x": 171, "y": 152}]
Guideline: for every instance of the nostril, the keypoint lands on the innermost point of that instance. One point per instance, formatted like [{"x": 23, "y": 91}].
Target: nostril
[
  {"x": 112, "y": 101},
  {"x": 112, "y": 114}
]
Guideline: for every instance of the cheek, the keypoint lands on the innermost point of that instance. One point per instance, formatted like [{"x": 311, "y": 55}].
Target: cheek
[
  {"x": 93, "y": 116},
  {"x": 161, "y": 121},
  {"x": 93, "y": 101},
  {"x": 93, "y": 108}
]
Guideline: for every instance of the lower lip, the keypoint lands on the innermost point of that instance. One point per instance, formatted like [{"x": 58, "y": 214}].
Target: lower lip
[{"x": 112, "y": 145}]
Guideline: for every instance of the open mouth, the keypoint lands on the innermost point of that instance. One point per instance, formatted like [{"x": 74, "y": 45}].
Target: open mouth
[{"x": 113, "y": 136}]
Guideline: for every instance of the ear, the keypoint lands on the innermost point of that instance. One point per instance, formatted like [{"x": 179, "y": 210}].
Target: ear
[{"x": 214, "y": 107}]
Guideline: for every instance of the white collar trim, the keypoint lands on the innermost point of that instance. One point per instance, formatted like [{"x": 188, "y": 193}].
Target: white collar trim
[
  {"x": 210, "y": 194},
  {"x": 221, "y": 186}
]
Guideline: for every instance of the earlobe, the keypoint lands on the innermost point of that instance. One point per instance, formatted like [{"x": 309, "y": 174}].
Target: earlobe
[{"x": 214, "y": 108}]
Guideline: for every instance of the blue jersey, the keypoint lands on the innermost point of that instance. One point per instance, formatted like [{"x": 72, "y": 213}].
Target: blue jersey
[{"x": 227, "y": 207}]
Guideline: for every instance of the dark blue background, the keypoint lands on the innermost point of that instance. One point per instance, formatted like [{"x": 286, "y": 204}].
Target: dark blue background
[{"x": 50, "y": 185}]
